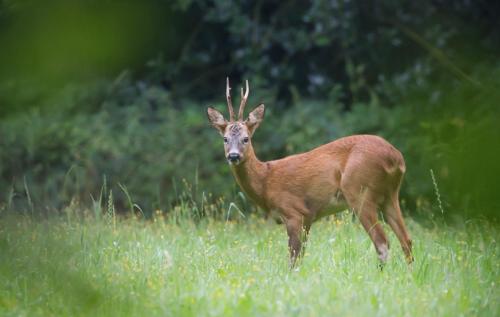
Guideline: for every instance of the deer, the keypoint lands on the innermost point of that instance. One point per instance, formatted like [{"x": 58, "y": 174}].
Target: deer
[{"x": 362, "y": 173}]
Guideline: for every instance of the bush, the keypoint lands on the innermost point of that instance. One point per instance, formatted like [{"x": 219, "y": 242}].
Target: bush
[
  {"x": 137, "y": 139},
  {"x": 324, "y": 69},
  {"x": 144, "y": 143}
]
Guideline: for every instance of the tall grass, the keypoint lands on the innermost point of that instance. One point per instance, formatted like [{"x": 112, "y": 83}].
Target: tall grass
[{"x": 172, "y": 265}]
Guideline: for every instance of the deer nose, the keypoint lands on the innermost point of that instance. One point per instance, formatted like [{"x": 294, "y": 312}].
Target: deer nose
[{"x": 233, "y": 157}]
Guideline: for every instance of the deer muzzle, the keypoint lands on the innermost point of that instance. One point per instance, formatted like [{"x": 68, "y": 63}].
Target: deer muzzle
[{"x": 233, "y": 158}]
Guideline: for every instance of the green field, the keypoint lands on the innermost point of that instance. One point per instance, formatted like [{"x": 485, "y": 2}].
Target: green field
[{"x": 75, "y": 264}]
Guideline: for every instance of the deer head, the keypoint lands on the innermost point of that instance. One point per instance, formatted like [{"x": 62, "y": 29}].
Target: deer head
[{"x": 237, "y": 134}]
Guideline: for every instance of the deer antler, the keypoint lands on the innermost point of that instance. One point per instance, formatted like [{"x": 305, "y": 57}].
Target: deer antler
[
  {"x": 229, "y": 103},
  {"x": 243, "y": 101}
]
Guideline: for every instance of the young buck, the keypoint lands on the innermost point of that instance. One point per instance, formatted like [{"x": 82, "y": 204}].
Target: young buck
[{"x": 363, "y": 172}]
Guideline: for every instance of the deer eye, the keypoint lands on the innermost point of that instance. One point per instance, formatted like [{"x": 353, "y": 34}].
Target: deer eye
[
  {"x": 225, "y": 140},
  {"x": 245, "y": 140}
]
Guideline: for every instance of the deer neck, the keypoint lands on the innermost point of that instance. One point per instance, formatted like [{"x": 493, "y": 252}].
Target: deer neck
[{"x": 251, "y": 175}]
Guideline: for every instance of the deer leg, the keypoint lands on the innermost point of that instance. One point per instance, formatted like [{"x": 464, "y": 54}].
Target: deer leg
[
  {"x": 395, "y": 219},
  {"x": 366, "y": 210},
  {"x": 294, "y": 228},
  {"x": 368, "y": 219},
  {"x": 304, "y": 235}
]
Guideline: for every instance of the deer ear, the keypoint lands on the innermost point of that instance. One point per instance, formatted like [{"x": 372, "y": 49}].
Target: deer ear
[
  {"x": 217, "y": 120},
  {"x": 255, "y": 118}
]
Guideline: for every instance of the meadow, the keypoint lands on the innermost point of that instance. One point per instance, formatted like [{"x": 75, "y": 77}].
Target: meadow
[
  {"x": 83, "y": 264},
  {"x": 115, "y": 195}
]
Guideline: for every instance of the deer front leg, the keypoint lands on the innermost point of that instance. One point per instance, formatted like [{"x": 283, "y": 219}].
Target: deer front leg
[{"x": 294, "y": 230}]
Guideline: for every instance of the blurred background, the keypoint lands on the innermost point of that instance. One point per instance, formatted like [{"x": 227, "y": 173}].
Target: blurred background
[{"x": 111, "y": 96}]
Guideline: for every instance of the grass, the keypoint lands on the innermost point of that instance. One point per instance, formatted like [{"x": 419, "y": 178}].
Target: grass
[{"x": 80, "y": 265}]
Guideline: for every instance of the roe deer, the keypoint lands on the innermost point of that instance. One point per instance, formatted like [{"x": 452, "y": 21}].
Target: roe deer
[{"x": 363, "y": 172}]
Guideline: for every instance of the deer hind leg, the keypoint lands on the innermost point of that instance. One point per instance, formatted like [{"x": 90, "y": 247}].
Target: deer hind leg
[
  {"x": 394, "y": 217},
  {"x": 365, "y": 208}
]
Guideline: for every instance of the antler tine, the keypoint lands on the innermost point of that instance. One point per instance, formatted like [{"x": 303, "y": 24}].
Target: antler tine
[
  {"x": 243, "y": 101},
  {"x": 229, "y": 103}
]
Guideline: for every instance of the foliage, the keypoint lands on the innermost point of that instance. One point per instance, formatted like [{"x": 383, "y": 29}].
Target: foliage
[
  {"x": 147, "y": 149},
  {"x": 185, "y": 46},
  {"x": 414, "y": 73},
  {"x": 78, "y": 265},
  {"x": 314, "y": 46},
  {"x": 137, "y": 138}
]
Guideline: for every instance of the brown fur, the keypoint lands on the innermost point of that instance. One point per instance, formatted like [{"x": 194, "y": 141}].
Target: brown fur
[{"x": 363, "y": 172}]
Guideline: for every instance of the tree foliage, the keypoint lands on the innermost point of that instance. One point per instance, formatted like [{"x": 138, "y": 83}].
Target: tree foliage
[{"x": 127, "y": 104}]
